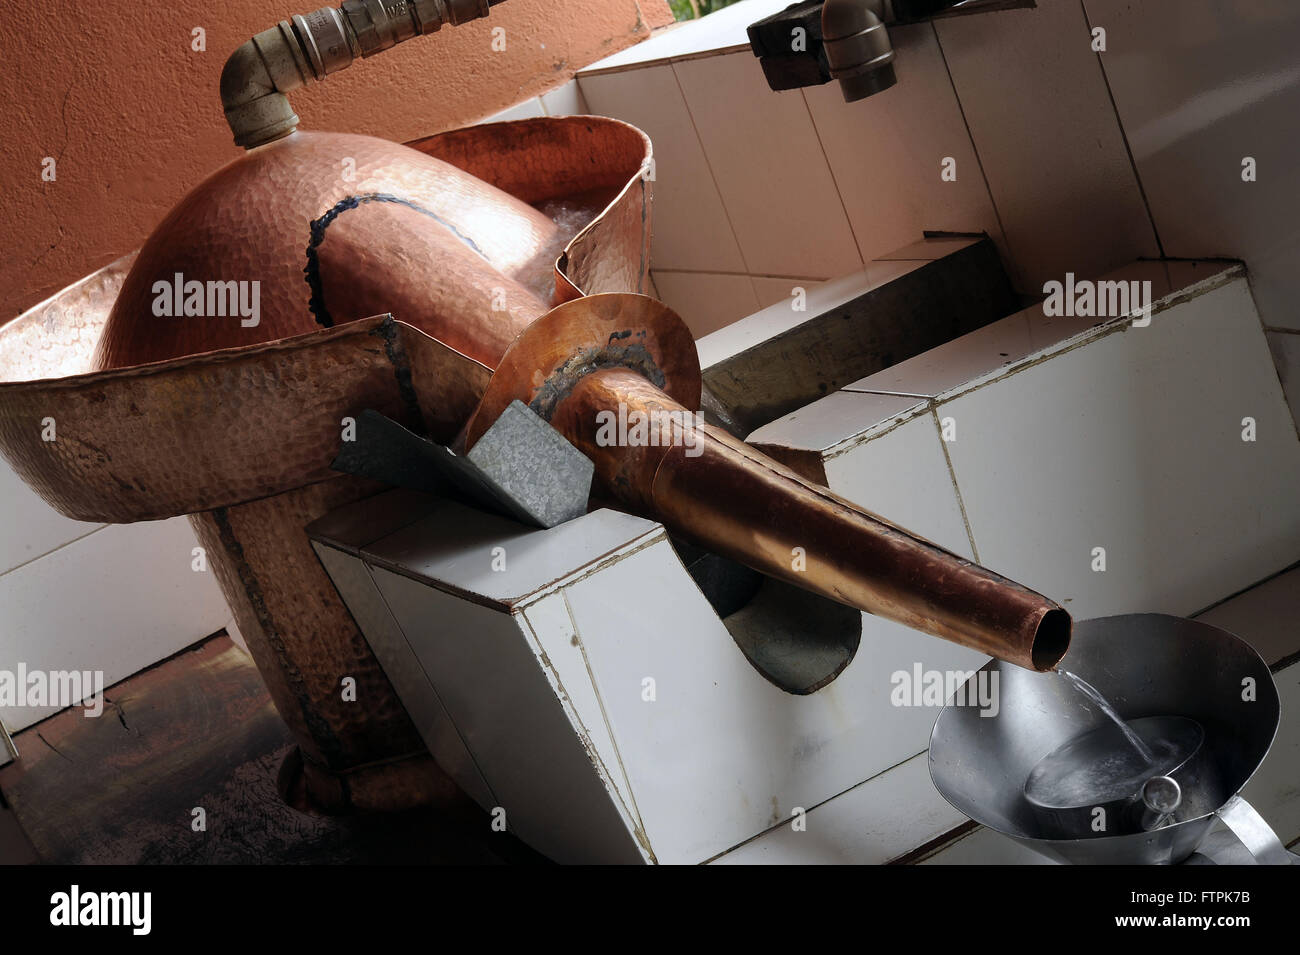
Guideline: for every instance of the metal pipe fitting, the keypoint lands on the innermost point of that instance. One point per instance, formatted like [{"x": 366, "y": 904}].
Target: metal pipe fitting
[
  {"x": 309, "y": 47},
  {"x": 858, "y": 51}
]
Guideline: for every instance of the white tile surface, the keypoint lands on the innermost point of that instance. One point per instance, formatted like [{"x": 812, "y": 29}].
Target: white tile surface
[
  {"x": 779, "y": 317},
  {"x": 986, "y": 847},
  {"x": 1286, "y": 357},
  {"x": 706, "y": 301},
  {"x": 565, "y": 100},
  {"x": 1035, "y": 99},
  {"x": 773, "y": 291},
  {"x": 526, "y": 109},
  {"x": 987, "y": 352},
  {"x": 553, "y": 629},
  {"x": 487, "y": 672},
  {"x": 903, "y": 476},
  {"x": 1273, "y": 790},
  {"x": 1199, "y": 85},
  {"x": 1267, "y": 617},
  {"x": 719, "y": 30},
  {"x": 832, "y": 425},
  {"x": 457, "y": 546},
  {"x": 786, "y": 212},
  {"x": 881, "y": 819},
  {"x": 886, "y": 151},
  {"x": 31, "y": 527},
  {"x": 722, "y": 754},
  {"x": 402, "y": 667},
  {"x": 1133, "y": 443},
  {"x": 118, "y": 600},
  {"x": 690, "y": 225}
]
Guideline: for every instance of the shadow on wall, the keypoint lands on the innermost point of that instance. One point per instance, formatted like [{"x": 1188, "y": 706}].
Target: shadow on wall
[{"x": 89, "y": 181}]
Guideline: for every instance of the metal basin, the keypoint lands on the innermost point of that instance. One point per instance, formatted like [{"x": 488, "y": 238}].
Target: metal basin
[{"x": 1146, "y": 665}]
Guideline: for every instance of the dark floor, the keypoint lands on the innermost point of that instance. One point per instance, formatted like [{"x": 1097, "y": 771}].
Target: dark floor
[{"x": 198, "y": 731}]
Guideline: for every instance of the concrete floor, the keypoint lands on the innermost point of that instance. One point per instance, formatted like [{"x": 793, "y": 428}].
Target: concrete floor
[{"x": 198, "y": 731}]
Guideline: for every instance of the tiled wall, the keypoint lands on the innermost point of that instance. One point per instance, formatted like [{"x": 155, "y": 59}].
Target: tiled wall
[
  {"x": 74, "y": 596},
  {"x": 1072, "y": 159}
]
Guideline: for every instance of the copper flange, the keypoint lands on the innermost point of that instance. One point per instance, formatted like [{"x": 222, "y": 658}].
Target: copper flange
[{"x": 613, "y": 330}]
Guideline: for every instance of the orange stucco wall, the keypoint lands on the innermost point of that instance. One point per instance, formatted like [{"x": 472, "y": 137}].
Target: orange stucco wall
[{"x": 115, "y": 93}]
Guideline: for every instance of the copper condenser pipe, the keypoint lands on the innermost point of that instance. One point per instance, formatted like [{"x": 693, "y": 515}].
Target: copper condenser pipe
[{"x": 713, "y": 489}]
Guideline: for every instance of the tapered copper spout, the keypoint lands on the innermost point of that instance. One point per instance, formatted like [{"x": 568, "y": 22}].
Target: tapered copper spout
[{"x": 655, "y": 457}]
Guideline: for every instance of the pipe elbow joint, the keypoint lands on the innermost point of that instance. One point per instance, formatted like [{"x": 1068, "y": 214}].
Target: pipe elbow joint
[
  {"x": 857, "y": 46},
  {"x": 254, "y": 97}
]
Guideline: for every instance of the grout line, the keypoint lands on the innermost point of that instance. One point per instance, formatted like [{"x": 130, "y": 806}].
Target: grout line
[
  {"x": 862, "y": 255},
  {"x": 808, "y": 811},
  {"x": 1017, "y": 279},
  {"x": 1123, "y": 134},
  {"x": 759, "y": 275},
  {"x": 32, "y": 560},
  {"x": 713, "y": 176},
  {"x": 952, "y": 475},
  {"x": 892, "y": 394},
  {"x": 433, "y": 687},
  {"x": 609, "y": 727}
]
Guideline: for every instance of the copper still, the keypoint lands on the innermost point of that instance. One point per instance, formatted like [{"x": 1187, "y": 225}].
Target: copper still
[{"x": 434, "y": 282}]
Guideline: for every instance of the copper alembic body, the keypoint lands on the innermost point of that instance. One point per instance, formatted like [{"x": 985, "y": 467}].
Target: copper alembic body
[{"x": 435, "y": 283}]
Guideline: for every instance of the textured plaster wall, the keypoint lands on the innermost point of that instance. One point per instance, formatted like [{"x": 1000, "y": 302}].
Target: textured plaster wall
[{"x": 116, "y": 94}]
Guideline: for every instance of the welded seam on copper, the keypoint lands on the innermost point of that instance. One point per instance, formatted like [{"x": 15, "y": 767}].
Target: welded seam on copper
[
  {"x": 316, "y": 304},
  {"x": 561, "y": 382},
  {"x": 319, "y": 728},
  {"x": 395, "y": 352}
]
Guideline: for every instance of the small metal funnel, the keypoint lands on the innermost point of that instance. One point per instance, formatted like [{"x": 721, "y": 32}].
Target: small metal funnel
[{"x": 1145, "y": 665}]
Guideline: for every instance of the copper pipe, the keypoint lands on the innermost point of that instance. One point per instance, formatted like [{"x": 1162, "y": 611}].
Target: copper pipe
[{"x": 717, "y": 491}]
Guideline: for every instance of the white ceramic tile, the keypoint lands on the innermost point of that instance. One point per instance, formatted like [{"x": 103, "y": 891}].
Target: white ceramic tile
[
  {"x": 706, "y": 301},
  {"x": 721, "y": 754},
  {"x": 1036, "y": 103},
  {"x": 1265, "y": 616},
  {"x": 903, "y": 476},
  {"x": 886, "y": 152},
  {"x": 884, "y": 454},
  {"x": 770, "y": 169},
  {"x": 929, "y": 249},
  {"x": 527, "y": 109},
  {"x": 7, "y": 747},
  {"x": 457, "y": 545},
  {"x": 1133, "y": 443},
  {"x": 1199, "y": 86},
  {"x": 881, "y": 819},
  {"x": 719, "y": 30},
  {"x": 553, "y": 629},
  {"x": 832, "y": 424},
  {"x": 986, "y": 847},
  {"x": 565, "y": 100},
  {"x": 780, "y": 316},
  {"x": 488, "y": 674},
  {"x": 118, "y": 600},
  {"x": 414, "y": 688},
  {"x": 1286, "y": 357},
  {"x": 994, "y": 349},
  {"x": 1273, "y": 790},
  {"x": 689, "y": 223},
  {"x": 772, "y": 291},
  {"x": 31, "y": 527}
]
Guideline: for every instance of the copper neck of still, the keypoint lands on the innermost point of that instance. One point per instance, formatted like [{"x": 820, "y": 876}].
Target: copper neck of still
[{"x": 713, "y": 489}]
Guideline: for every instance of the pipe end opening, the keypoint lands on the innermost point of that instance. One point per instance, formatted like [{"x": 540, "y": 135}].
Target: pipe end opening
[{"x": 1051, "y": 640}]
